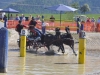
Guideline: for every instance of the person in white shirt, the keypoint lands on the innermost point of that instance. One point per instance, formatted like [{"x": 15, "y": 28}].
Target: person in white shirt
[
  {"x": 43, "y": 27},
  {"x": 17, "y": 17},
  {"x": 23, "y": 18},
  {"x": 3, "y": 15}
]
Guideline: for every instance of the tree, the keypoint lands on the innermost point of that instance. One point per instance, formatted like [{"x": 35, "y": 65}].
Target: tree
[
  {"x": 75, "y": 5},
  {"x": 85, "y": 8}
]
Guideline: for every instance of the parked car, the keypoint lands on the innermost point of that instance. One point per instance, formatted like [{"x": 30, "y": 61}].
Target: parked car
[{"x": 82, "y": 17}]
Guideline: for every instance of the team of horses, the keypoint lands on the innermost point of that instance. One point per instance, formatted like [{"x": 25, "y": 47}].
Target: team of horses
[
  {"x": 60, "y": 39},
  {"x": 56, "y": 39}
]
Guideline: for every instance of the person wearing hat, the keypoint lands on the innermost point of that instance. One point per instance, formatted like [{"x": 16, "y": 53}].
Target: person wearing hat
[
  {"x": 33, "y": 30},
  {"x": 19, "y": 27},
  {"x": 52, "y": 20},
  {"x": 32, "y": 23}
]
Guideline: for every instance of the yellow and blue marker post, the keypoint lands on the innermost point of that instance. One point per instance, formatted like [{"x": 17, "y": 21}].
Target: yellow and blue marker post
[
  {"x": 82, "y": 48},
  {"x": 23, "y": 43}
]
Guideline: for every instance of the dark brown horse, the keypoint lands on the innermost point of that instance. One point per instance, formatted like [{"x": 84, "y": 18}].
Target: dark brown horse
[
  {"x": 68, "y": 39},
  {"x": 50, "y": 39}
]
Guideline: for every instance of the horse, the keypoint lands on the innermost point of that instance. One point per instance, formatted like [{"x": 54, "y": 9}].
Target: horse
[
  {"x": 67, "y": 34},
  {"x": 50, "y": 39},
  {"x": 68, "y": 39}
]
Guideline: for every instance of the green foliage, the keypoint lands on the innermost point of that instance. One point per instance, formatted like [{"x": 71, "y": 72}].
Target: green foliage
[
  {"x": 75, "y": 5},
  {"x": 85, "y": 8}
]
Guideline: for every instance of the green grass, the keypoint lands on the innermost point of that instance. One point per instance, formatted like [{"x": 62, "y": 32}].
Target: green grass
[
  {"x": 64, "y": 16},
  {"x": 93, "y": 15}
]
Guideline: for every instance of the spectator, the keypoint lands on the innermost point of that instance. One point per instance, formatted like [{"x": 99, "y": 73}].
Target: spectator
[
  {"x": 30, "y": 17},
  {"x": 78, "y": 24},
  {"x": 94, "y": 25},
  {"x": 88, "y": 20},
  {"x": 98, "y": 21},
  {"x": 82, "y": 27},
  {"x": 42, "y": 17},
  {"x": 78, "y": 19},
  {"x": 22, "y": 18},
  {"x": 93, "y": 20},
  {"x": 37, "y": 18},
  {"x": 11, "y": 17},
  {"x": 17, "y": 17},
  {"x": 3, "y": 15},
  {"x": 78, "y": 27},
  {"x": 5, "y": 20},
  {"x": 52, "y": 19}
]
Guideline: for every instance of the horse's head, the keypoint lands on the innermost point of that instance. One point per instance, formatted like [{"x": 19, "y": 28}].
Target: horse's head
[
  {"x": 66, "y": 35},
  {"x": 57, "y": 29}
]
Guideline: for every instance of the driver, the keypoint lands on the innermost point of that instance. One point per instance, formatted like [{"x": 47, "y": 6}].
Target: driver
[{"x": 36, "y": 33}]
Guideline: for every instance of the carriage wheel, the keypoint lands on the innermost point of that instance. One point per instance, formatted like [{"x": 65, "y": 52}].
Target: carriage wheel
[
  {"x": 18, "y": 42},
  {"x": 36, "y": 46}
]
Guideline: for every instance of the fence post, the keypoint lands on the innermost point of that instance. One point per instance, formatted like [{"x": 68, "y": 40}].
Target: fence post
[
  {"x": 23, "y": 43},
  {"x": 3, "y": 49},
  {"x": 82, "y": 47}
]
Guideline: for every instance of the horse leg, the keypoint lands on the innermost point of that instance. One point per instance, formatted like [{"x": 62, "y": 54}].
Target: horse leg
[
  {"x": 62, "y": 48},
  {"x": 59, "y": 49},
  {"x": 28, "y": 44},
  {"x": 72, "y": 47},
  {"x": 48, "y": 47}
]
